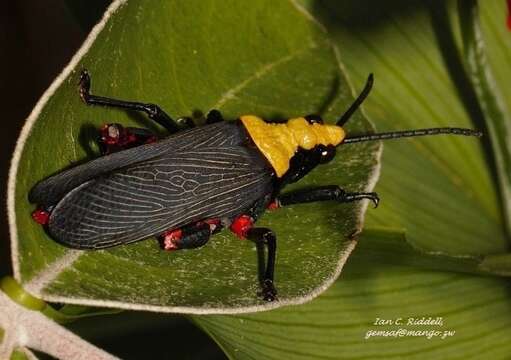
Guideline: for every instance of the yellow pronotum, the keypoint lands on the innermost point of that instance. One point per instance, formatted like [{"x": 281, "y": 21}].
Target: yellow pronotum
[{"x": 279, "y": 142}]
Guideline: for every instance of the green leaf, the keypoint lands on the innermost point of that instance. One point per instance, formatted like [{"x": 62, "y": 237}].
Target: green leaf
[
  {"x": 387, "y": 246},
  {"x": 438, "y": 200},
  {"x": 493, "y": 107},
  {"x": 19, "y": 354},
  {"x": 190, "y": 57},
  {"x": 498, "y": 264},
  {"x": 335, "y": 325}
]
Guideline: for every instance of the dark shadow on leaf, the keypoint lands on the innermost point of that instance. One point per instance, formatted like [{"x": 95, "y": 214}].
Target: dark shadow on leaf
[
  {"x": 361, "y": 15},
  {"x": 88, "y": 12},
  {"x": 198, "y": 117},
  {"x": 87, "y": 138},
  {"x": 275, "y": 117},
  {"x": 144, "y": 122}
]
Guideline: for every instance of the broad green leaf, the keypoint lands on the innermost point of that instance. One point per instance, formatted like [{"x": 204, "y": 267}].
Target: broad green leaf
[
  {"x": 493, "y": 106},
  {"x": 256, "y": 57},
  {"x": 438, "y": 200},
  {"x": 499, "y": 264},
  {"x": 474, "y": 311}
]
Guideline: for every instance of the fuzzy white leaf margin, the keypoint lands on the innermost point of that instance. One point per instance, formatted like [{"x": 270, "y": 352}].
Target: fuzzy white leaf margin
[{"x": 24, "y": 328}]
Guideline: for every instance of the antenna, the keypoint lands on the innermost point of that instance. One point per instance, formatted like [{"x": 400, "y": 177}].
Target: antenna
[
  {"x": 412, "y": 133},
  {"x": 359, "y": 100}
]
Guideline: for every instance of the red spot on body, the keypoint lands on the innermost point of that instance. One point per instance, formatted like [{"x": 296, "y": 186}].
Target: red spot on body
[
  {"x": 509, "y": 14},
  {"x": 171, "y": 240},
  {"x": 241, "y": 225},
  {"x": 274, "y": 205},
  {"x": 41, "y": 216}
]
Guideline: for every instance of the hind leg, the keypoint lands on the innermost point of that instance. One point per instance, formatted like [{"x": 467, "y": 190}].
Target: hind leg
[
  {"x": 242, "y": 226},
  {"x": 265, "y": 238},
  {"x": 152, "y": 110}
]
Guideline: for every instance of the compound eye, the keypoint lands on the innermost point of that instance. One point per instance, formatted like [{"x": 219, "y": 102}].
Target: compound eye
[
  {"x": 314, "y": 119},
  {"x": 327, "y": 154}
]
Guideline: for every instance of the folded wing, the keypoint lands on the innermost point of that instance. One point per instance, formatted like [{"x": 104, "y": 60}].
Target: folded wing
[{"x": 147, "y": 198}]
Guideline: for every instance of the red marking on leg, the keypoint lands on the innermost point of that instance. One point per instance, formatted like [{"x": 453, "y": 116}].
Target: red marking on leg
[
  {"x": 151, "y": 139},
  {"x": 213, "y": 224},
  {"x": 274, "y": 205},
  {"x": 241, "y": 225},
  {"x": 116, "y": 134},
  {"x": 111, "y": 134},
  {"x": 41, "y": 216},
  {"x": 130, "y": 138},
  {"x": 116, "y": 137},
  {"x": 171, "y": 240},
  {"x": 509, "y": 14}
]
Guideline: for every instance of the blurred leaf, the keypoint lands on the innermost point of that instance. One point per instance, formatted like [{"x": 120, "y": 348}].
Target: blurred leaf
[
  {"x": 191, "y": 57},
  {"x": 499, "y": 264},
  {"x": 387, "y": 246},
  {"x": 498, "y": 119}
]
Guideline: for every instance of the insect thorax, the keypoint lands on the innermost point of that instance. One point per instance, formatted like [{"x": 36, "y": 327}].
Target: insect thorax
[{"x": 278, "y": 142}]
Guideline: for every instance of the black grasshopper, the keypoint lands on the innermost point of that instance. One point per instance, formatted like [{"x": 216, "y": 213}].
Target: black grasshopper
[{"x": 184, "y": 188}]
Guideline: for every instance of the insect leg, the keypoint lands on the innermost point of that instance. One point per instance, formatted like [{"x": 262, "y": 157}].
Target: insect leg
[
  {"x": 190, "y": 236},
  {"x": 301, "y": 164},
  {"x": 214, "y": 116},
  {"x": 153, "y": 111},
  {"x": 115, "y": 137},
  {"x": 324, "y": 193},
  {"x": 264, "y": 237},
  {"x": 185, "y": 122},
  {"x": 185, "y": 238}
]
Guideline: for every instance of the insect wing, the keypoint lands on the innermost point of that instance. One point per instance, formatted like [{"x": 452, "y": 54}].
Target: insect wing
[
  {"x": 51, "y": 190},
  {"x": 150, "y": 197}
]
